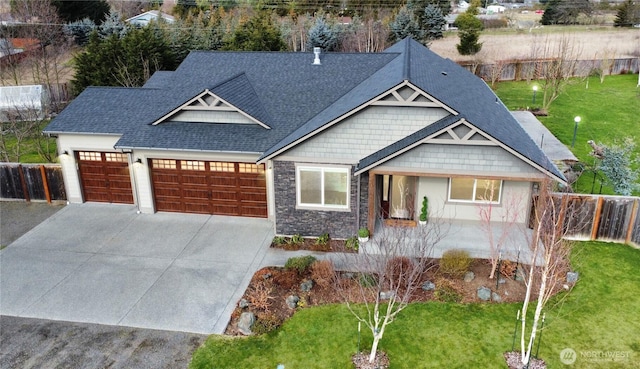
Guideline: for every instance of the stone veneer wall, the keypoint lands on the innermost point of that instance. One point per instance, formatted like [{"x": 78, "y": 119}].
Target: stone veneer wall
[{"x": 290, "y": 221}]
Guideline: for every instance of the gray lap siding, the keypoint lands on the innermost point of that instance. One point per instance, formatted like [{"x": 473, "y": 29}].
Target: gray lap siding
[{"x": 290, "y": 220}]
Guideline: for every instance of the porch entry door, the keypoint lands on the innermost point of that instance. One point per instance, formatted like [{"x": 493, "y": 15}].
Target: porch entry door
[{"x": 397, "y": 200}]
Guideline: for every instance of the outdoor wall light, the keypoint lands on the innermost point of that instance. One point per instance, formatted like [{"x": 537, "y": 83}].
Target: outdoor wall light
[
  {"x": 65, "y": 152},
  {"x": 139, "y": 161}
]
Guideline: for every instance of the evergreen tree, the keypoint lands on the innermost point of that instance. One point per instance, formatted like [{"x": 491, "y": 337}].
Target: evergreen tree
[
  {"x": 565, "y": 11},
  {"x": 628, "y": 14},
  {"x": 257, "y": 34},
  {"x": 80, "y": 30},
  {"x": 71, "y": 11},
  {"x": 617, "y": 165},
  {"x": 417, "y": 7},
  {"x": 433, "y": 22},
  {"x": 323, "y": 35},
  {"x": 404, "y": 25},
  {"x": 113, "y": 25},
  {"x": 469, "y": 27}
]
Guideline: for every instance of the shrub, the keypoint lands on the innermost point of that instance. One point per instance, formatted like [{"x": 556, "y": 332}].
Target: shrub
[
  {"x": 399, "y": 269},
  {"x": 322, "y": 272},
  {"x": 352, "y": 243},
  {"x": 287, "y": 279},
  {"x": 278, "y": 240},
  {"x": 455, "y": 263},
  {"x": 322, "y": 243},
  {"x": 259, "y": 296},
  {"x": 296, "y": 239},
  {"x": 508, "y": 268},
  {"x": 363, "y": 232},
  {"x": 367, "y": 280},
  {"x": 266, "y": 323},
  {"x": 447, "y": 291},
  {"x": 300, "y": 263}
]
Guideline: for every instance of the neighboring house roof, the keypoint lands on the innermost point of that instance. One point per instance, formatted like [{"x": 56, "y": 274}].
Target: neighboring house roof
[
  {"x": 146, "y": 17},
  {"x": 290, "y": 100}
]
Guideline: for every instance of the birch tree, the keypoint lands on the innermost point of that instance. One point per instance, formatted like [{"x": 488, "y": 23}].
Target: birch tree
[
  {"x": 555, "y": 216},
  {"x": 389, "y": 268}
]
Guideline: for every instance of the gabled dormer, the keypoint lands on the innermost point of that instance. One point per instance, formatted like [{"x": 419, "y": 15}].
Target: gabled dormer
[{"x": 233, "y": 101}]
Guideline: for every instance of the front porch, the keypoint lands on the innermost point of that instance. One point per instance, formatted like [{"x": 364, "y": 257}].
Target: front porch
[{"x": 448, "y": 234}]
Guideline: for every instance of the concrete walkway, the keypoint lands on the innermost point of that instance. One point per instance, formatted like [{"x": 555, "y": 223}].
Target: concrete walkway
[{"x": 106, "y": 264}]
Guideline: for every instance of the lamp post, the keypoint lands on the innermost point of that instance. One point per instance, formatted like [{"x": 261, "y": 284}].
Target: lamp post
[
  {"x": 535, "y": 90},
  {"x": 575, "y": 130}
]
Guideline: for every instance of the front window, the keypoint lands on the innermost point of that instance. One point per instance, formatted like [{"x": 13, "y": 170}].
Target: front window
[
  {"x": 475, "y": 190},
  {"x": 322, "y": 187}
]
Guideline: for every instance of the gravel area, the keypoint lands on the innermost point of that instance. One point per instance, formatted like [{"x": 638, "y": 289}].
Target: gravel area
[{"x": 34, "y": 343}]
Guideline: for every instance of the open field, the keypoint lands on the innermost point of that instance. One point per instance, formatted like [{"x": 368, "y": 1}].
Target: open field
[
  {"x": 593, "y": 42},
  {"x": 598, "y": 316}
]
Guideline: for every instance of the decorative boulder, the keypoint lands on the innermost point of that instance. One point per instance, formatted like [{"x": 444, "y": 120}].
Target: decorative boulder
[
  {"x": 469, "y": 276},
  {"x": 292, "y": 301},
  {"x": 246, "y": 322},
  {"x": 306, "y": 285},
  {"x": 519, "y": 274},
  {"x": 243, "y": 303},
  {"x": 386, "y": 295},
  {"x": 495, "y": 297},
  {"x": 348, "y": 275},
  {"x": 572, "y": 277},
  {"x": 428, "y": 286},
  {"x": 484, "y": 293}
]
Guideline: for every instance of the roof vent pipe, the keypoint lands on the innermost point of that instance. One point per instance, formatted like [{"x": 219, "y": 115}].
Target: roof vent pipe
[{"x": 316, "y": 53}]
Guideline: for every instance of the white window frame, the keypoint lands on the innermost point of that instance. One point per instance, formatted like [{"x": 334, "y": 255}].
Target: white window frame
[
  {"x": 322, "y": 169},
  {"x": 475, "y": 186}
]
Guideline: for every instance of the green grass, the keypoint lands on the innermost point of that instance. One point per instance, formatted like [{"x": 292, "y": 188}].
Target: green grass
[
  {"x": 600, "y": 314},
  {"x": 29, "y": 152},
  {"x": 609, "y": 113}
]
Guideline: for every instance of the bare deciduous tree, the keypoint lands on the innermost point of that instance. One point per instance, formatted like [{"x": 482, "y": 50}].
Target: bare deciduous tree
[
  {"x": 21, "y": 130},
  {"x": 498, "y": 224},
  {"x": 387, "y": 271},
  {"x": 367, "y": 34},
  {"x": 555, "y": 216},
  {"x": 557, "y": 63}
]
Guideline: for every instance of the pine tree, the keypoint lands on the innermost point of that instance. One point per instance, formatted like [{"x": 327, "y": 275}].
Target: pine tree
[
  {"x": 404, "y": 25},
  {"x": 433, "y": 22},
  {"x": 469, "y": 27},
  {"x": 323, "y": 35},
  {"x": 257, "y": 34},
  {"x": 113, "y": 25},
  {"x": 628, "y": 14},
  {"x": 80, "y": 30}
]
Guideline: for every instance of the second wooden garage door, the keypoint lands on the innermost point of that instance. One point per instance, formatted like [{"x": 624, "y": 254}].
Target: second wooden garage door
[{"x": 223, "y": 188}]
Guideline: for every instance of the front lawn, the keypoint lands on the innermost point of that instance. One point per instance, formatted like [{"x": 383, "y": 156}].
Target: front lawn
[
  {"x": 598, "y": 317},
  {"x": 608, "y": 112}
]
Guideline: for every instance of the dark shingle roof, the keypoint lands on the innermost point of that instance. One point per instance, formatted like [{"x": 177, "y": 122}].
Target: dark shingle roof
[{"x": 290, "y": 95}]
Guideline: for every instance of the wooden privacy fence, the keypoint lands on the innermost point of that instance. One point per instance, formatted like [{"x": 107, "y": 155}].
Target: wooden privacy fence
[
  {"x": 603, "y": 218},
  {"x": 32, "y": 182},
  {"x": 518, "y": 70}
]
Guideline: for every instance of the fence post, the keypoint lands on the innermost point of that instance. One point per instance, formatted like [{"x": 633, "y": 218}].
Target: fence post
[
  {"x": 23, "y": 183},
  {"x": 632, "y": 220},
  {"x": 596, "y": 218},
  {"x": 45, "y": 183}
]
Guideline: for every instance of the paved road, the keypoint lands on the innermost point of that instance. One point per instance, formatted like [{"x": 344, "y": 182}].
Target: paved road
[{"x": 34, "y": 343}]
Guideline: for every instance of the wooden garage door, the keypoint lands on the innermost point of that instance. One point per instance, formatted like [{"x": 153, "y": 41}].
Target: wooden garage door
[
  {"x": 105, "y": 177},
  {"x": 223, "y": 188}
]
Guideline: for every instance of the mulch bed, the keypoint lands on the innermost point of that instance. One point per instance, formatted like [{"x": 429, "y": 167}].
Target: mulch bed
[
  {"x": 513, "y": 361},
  {"x": 361, "y": 361},
  {"x": 311, "y": 244}
]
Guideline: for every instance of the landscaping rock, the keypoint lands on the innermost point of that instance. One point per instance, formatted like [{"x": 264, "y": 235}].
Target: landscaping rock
[
  {"x": 386, "y": 295},
  {"x": 519, "y": 274},
  {"x": 306, "y": 285},
  {"x": 484, "y": 293},
  {"x": 495, "y": 297},
  {"x": 246, "y": 322},
  {"x": 469, "y": 276},
  {"x": 428, "y": 286},
  {"x": 292, "y": 301},
  {"x": 266, "y": 275},
  {"x": 502, "y": 281},
  {"x": 243, "y": 303},
  {"x": 572, "y": 277},
  {"x": 348, "y": 275}
]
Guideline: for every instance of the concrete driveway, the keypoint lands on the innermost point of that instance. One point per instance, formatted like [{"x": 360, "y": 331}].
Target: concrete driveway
[{"x": 106, "y": 264}]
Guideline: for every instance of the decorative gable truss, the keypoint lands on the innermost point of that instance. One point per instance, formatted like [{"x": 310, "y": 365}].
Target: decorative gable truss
[
  {"x": 461, "y": 133},
  {"x": 207, "y": 107},
  {"x": 406, "y": 94}
]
